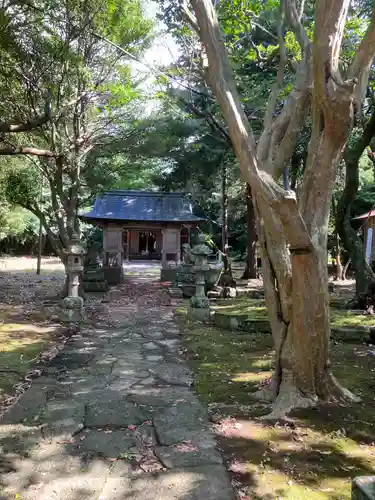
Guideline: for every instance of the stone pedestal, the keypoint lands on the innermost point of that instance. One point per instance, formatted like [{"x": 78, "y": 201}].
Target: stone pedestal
[
  {"x": 363, "y": 488},
  {"x": 175, "y": 293},
  {"x": 113, "y": 275},
  {"x": 200, "y": 300},
  {"x": 72, "y": 310},
  {"x": 168, "y": 274},
  {"x": 196, "y": 314},
  {"x": 93, "y": 279}
]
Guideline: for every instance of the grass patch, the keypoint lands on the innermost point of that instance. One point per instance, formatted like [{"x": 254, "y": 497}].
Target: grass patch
[
  {"x": 350, "y": 319},
  {"x": 20, "y": 344},
  {"x": 255, "y": 309},
  {"x": 316, "y": 459}
]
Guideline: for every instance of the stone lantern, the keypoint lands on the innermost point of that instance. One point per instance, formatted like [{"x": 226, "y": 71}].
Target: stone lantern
[
  {"x": 72, "y": 306},
  {"x": 200, "y": 305}
]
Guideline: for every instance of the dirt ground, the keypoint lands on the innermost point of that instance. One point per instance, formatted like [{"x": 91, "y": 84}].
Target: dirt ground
[{"x": 29, "y": 332}]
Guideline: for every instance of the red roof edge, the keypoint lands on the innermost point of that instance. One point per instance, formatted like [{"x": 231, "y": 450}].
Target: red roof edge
[{"x": 367, "y": 215}]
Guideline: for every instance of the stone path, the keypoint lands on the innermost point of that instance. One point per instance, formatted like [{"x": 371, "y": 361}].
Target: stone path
[{"x": 113, "y": 417}]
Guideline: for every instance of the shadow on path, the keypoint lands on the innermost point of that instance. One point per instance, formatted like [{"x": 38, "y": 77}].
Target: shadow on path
[{"x": 114, "y": 416}]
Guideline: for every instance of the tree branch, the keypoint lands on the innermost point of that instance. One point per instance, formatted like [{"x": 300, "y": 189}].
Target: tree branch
[
  {"x": 149, "y": 67},
  {"x": 16, "y": 127},
  {"x": 55, "y": 241},
  {"x": 20, "y": 150},
  {"x": 209, "y": 117},
  {"x": 189, "y": 17},
  {"x": 365, "y": 52},
  {"x": 221, "y": 78},
  {"x": 263, "y": 145},
  {"x": 362, "y": 61},
  {"x": 277, "y": 142},
  {"x": 293, "y": 18}
]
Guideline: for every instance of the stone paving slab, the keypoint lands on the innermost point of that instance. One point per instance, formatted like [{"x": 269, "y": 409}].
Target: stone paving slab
[
  {"x": 173, "y": 373},
  {"x": 199, "y": 483},
  {"x": 187, "y": 456},
  {"x": 114, "y": 413},
  {"x": 113, "y": 417}
]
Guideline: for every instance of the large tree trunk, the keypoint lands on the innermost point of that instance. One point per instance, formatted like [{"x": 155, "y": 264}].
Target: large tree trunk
[
  {"x": 293, "y": 236},
  {"x": 59, "y": 243},
  {"x": 351, "y": 240},
  {"x": 251, "y": 264},
  {"x": 296, "y": 291}
]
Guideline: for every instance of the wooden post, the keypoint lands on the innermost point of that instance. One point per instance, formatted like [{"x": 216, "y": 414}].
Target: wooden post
[
  {"x": 128, "y": 235},
  {"x": 40, "y": 248},
  {"x": 40, "y": 240},
  {"x": 164, "y": 248}
]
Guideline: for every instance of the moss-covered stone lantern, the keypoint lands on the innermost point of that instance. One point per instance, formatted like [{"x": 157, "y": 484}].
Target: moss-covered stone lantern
[
  {"x": 200, "y": 304},
  {"x": 72, "y": 306}
]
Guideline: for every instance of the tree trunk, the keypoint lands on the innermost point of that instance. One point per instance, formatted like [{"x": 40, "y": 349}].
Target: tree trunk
[
  {"x": 224, "y": 208},
  {"x": 296, "y": 293},
  {"x": 251, "y": 264},
  {"x": 339, "y": 274},
  {"x": 40, "y": 248},
  {"x": 351, "y": 241},
  {"x": 345, "y": 269},
  {"x": 336, "y": 248},
  {"x": 293, "y": 235}
]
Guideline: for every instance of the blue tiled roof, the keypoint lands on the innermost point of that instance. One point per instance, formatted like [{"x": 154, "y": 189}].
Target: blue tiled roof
[{"x": 149, "y": 206}]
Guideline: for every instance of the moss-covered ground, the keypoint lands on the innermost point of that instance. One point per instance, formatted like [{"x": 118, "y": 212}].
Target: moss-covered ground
[
  {"x": 255, "y": 309},
  {"x": 314, "y": 458},
  {"x": 20, "y": 346}
]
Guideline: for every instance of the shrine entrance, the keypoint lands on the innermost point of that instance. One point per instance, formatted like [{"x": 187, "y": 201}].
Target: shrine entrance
[
  {"x": 142, "y": 244},
  {"x": 147, "y": 243},
  {"x": 142, "y": 225}
]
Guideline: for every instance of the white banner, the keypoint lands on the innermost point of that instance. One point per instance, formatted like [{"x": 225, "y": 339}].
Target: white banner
[{"x": 369, "y": 245}]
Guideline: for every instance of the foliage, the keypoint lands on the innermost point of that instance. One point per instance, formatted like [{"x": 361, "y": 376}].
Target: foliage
[{"x": 66, "y": 86}]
